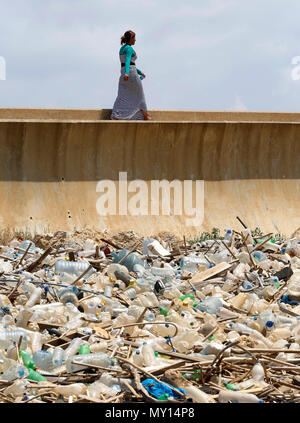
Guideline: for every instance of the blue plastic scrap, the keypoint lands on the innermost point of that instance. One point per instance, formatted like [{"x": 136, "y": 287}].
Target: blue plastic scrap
[
  {"x": 157, "y": 389},
  {"x": 286, "y": 300}
]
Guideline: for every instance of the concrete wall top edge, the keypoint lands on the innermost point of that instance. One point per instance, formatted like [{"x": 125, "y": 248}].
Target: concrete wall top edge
[{"x": 96, "y": 115}]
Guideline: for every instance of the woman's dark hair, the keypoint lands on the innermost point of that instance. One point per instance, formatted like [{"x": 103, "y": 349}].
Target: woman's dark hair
[{"x": 126, "y": 37}]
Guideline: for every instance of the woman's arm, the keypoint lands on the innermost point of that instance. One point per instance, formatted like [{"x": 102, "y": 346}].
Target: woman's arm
[{"x": 129, "y": 53}]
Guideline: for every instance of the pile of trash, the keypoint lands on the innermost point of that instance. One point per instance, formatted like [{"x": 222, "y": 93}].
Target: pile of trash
[{"x": 132, "y": 319}]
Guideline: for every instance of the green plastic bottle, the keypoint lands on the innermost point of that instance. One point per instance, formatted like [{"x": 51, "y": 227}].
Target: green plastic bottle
[
  {"x": 164, "y": 311},
  {"x": 27, "y": 359},
  {"x": 84, "y": 349},
  {"x": 183, "y": 297},
  {"x": 33, "y": 375}
]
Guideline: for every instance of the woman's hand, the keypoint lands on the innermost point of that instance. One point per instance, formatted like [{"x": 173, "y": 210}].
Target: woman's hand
[
  {"x": 126, "y": 77},
  {"x": 143, "y": 75}
]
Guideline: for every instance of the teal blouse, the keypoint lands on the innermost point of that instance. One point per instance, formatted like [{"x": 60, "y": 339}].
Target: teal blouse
[{"x": 128, "y": 50}]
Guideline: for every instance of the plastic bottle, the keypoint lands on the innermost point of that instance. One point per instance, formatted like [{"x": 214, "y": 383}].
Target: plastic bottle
[
  {"x": 68, "y": 295},
  {"x": 137, "y": 358},
  {"x": 27, "y": 359},
  {"x": 148, "y": 355},
  {"x": 108, "y": 291},
  {"x": 245, "y": 330},
  {"x": 114, "y": 267},
  {"x": 43, "y": 360},
  {"x": 258, "y": 256},
  {"x": 197, "y": 395},
  {"x": 16, "y": 371},
  {"x": 73, "y": 347},
  {"x": 257, "y": 372},
  {"x": 58, "y": 357},
  {"x": 191, "y": 263},
  {"x": 35, "y": 297},
  {"x": 131, "y": 293},
  {"x": 124, "y": 277},
  {"x": 71, "y": 389},
  {"x": 73, "y": 268},
  {"x": 84, "y": 349},
  {"x": 23, "y": 317},
  {"x": 7, "y": 337},
  {"x": 129, "y": 261},
  {"x": 98, "y": 359},
  {"x": 228, "y": 237},
  {"x": 24, "y": 245},
  {"x": 33, "y": 375},
  {"x": 210, "y": 305},
  {"x": 239, "y": 397}
]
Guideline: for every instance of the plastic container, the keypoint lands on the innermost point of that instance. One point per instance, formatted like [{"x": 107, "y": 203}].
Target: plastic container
[
  {"x": 228, "y": 237},
  {"x": 258, "y": 373},
  {"x": 43, "y": 360},
  {"x": 129, "y": 261},
  {"x": 23, "y": 317},
  {"x": 73, "y": 268},
  {"x": 58, "y": 357},
  {"x": 68, "y": 295},
  {"x": 210, "y": 305},
  {"x": 148, "y": 355},
  {"x": 70, "y": 390},
  {"x": 27, "y": 359},
  {"x": 191, "y": 263},
  {"x": 73, "y": 347},
  {"x": 7, "y": 337},
  {"x": 15, "y": 372},
  {"x": 35, "y": 297},
  {"x": 124, "y": 277},
  {"x": 197, "y": 395},
  {"x": 237, "y": 397},
  {"x": 24, "y": 245},
  {"x": 98, "y": 359},
  {"x": 130, "y": 293}
]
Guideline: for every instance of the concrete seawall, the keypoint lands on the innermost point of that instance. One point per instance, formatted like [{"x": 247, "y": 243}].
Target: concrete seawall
[{"x": 52, "y": 161}]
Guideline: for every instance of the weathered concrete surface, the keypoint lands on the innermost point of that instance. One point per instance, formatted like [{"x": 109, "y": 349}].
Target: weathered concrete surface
[{"x": 52, "y": 160}]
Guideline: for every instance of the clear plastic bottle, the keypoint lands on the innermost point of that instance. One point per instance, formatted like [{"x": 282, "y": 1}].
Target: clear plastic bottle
[
  {"x": 16, "y": 371},
  {"x": 97, "y": 359},
  {"x": 68, "y": 295},
  {"x": 137, "y": 358},
  {"x": 130, "y": 292},
  {"x": 148, "y": 355},
  {"x": 237, "y": 397},
  {"x": 129, "y": 261},
  {"x": 108, "y": 291},
  {"x": 73, "y": 267},
  {"x": 197, "y": 395},
  {"x": 7, "y": 337},
  {"x": 35, "y": 297},
  {"x": 24, "y": 245},
  {"x": 228, "y": 237},
  {"x": 73, "y": 347},
  {"x": 71, "y": 389},
  {"x": 43, "y": 360},
  {"x": 257, "y": 372},
  {"x": 23, "y": 317},
  {"x": 258, "y": 256},
  {"x": 58, "y": 357},
  {"x": 210, "y": 305},
  {"x": 191, "y": 263}
]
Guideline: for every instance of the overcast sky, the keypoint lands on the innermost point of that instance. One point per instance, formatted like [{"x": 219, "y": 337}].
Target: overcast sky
[{"x": 197, "y": 55}]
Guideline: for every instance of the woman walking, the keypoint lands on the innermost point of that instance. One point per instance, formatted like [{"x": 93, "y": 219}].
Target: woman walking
[{"x": 130, "y": 103}]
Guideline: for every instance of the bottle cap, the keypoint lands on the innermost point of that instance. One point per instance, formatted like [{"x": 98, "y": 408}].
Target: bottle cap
[{"x": 269, "y": 323}]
